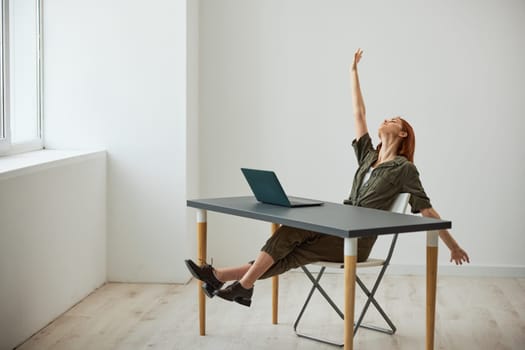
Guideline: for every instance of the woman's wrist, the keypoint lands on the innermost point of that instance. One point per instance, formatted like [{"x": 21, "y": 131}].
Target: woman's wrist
[{"x": 448, "y": 240}]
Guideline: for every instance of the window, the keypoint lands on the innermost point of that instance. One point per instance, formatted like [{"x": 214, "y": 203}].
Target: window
[{"x": 20, "y": 76}]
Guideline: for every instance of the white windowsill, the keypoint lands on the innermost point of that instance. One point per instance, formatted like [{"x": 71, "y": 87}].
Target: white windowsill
[{"x": 25, "y": 163}]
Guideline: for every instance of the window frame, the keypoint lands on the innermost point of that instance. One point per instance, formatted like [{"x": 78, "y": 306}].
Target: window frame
[{"x": 7, "y": 147}]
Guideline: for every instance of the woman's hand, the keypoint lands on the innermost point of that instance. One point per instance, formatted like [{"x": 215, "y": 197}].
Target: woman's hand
[
  {"x": 357, "y": 57},
  {"x": 459, "y": 256}
]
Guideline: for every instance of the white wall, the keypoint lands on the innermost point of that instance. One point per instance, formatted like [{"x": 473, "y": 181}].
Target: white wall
[
  {"x": 52, "y": 243},
  {"x": 115, "y": 78},
  {"x": 192, "y": 130},
  {"x": 274, "y": 93}
]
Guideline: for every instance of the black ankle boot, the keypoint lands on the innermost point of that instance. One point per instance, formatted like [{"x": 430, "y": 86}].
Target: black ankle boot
[
  {"x": 236, "y": 292},
  {"x": 205, "y": 274}
]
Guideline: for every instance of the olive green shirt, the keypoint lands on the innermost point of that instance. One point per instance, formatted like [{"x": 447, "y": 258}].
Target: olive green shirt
[{"x": 386, "y": 181}]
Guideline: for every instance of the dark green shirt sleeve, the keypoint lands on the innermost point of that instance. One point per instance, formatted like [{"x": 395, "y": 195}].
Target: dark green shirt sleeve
[
  {"x": 362, "y": 147},
  {"x": 412, "y": 184}
]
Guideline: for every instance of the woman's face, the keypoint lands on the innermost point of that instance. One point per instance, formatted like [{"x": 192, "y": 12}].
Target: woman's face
[{"x": 391, "y": 126}]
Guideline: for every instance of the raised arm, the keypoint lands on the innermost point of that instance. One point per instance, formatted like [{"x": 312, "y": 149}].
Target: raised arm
[
  {"x": 357, "y": 98},
  {"x": 457, "y": 254}
]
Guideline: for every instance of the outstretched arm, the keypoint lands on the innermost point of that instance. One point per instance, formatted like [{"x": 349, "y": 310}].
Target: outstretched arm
[
  {"x": 357, "y": 98},
  {"x": 457, "y": 254}
]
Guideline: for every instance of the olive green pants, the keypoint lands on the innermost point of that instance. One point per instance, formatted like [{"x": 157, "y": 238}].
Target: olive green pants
[{"x": 292, "y": 247}]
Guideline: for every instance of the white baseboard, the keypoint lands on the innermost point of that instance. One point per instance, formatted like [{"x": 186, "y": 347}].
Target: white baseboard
[
  {"x": 463, "y": 270},
  {"x": 443, "y": 270}
]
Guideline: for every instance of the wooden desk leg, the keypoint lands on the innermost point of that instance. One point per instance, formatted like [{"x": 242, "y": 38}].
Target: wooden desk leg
[
  {"x": 432, "y": 258},
  {"x": 201, "y": 260},
  {"x": 350, "y": 266},
  {"x": 275, "y": 288}
]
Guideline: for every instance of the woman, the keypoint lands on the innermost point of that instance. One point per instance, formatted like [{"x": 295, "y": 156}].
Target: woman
[{"x": 383, "y": 173}]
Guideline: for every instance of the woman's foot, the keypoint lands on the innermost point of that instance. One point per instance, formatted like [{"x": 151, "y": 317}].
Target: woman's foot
[
  {"x": 236, "y": 292},
  {"x": 205, "y": 274}
]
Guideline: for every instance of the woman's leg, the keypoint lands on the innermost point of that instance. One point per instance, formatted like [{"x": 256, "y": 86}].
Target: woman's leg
[
  {"x": 280, "y": 244},
  {"x": 300, "y": 247},
  {"x": 263, "y": 262},
  {"x": 231, "y": 273},
  {"x": 246, "y": 274},
  {"x": 287, "y": 248},
  {"x": 241, "y": 291},
  {"x": 290, "y": 248}
]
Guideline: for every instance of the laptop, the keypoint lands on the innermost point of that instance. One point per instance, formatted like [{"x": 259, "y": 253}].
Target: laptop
[{"x": 267, "y": 189}]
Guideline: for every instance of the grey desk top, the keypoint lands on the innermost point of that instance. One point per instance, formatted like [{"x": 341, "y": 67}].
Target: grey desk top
[{"x": 330, "y": 218}]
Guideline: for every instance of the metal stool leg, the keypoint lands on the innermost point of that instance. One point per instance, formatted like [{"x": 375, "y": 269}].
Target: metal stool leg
[
  {"x": 316, "y": 285},
  {"x": 371, "y": 299}
]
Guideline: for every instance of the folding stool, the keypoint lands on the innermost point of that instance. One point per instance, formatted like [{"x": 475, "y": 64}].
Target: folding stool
[{"x": 399, "y": 206}]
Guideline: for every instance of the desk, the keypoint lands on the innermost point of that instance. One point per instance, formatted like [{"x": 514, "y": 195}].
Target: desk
[{"x": 345, "y": 221}]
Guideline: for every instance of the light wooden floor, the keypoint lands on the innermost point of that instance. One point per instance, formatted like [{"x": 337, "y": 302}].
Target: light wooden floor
[{"x": 472, "y": 313}]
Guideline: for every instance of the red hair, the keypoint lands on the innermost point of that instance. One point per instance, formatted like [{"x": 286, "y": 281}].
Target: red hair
[{"x": 407, "y": 146}]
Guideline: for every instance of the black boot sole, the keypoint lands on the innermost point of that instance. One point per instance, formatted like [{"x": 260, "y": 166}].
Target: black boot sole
[
  {"x": 243, "y": 301},
  {"x": 239, "y": 300},
  {"x": 232, "y": 293},
  {"x": 207, "y": 289}
]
